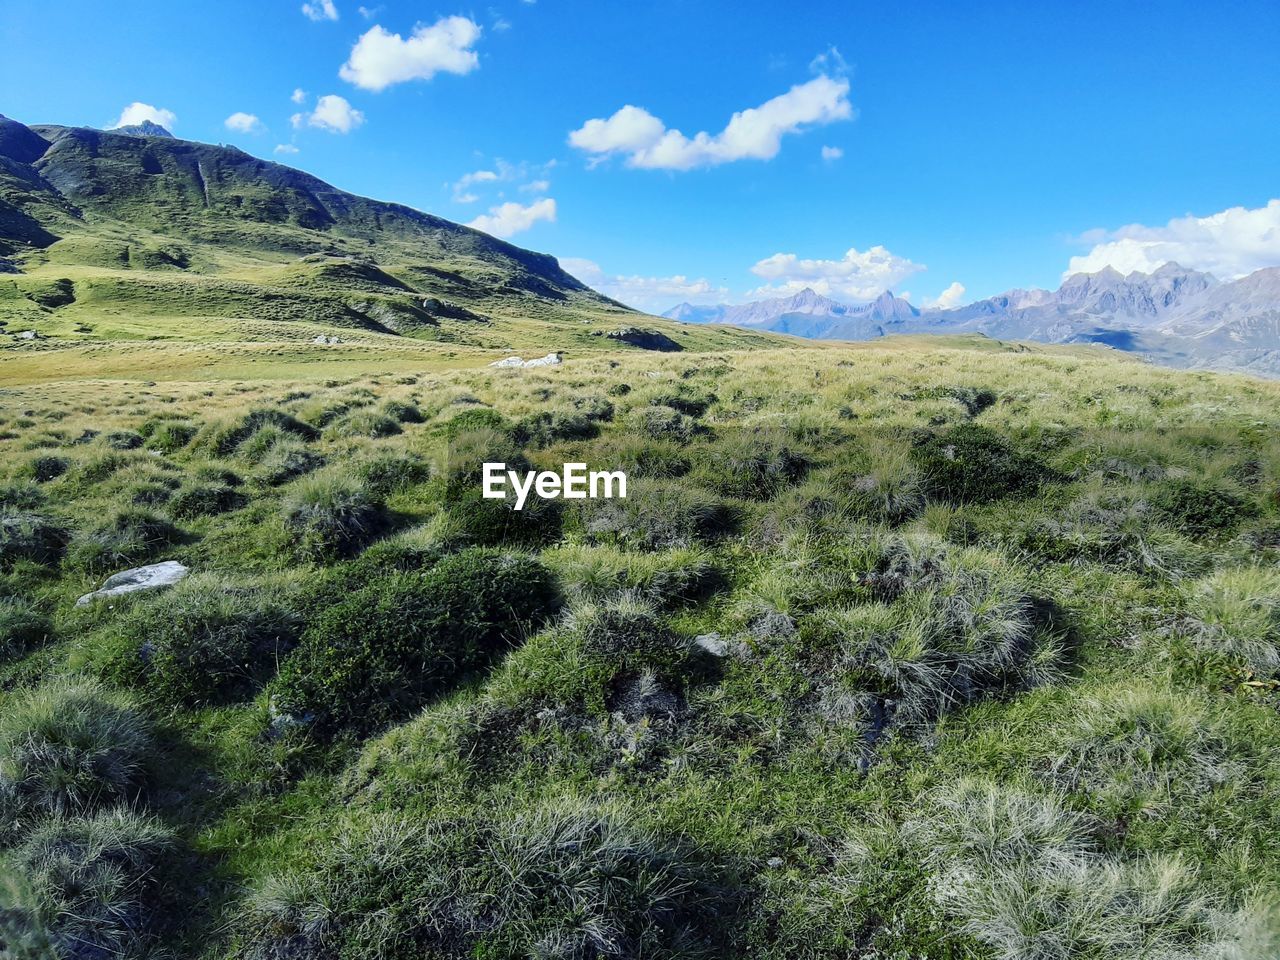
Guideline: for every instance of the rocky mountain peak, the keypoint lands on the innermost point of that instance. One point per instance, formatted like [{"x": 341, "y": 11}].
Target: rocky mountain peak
[{"x": 144, "y": 129}]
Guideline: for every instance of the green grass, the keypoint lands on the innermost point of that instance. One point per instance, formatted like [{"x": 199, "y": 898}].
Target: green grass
[{"x": 864, "y": 665}]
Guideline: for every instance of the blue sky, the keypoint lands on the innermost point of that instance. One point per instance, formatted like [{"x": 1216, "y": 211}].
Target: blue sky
[{"x": 905, "y": 145}]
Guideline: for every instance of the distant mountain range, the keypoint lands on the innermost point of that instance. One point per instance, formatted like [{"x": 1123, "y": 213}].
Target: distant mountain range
[{"x": 1175, "y": 316}]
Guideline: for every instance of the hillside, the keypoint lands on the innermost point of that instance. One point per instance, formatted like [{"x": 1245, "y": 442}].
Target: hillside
[{"x": 109, "y": 236}]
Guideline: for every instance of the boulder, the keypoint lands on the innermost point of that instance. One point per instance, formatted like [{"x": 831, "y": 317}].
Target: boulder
[
  {"x": 712, "y": 644},
  {"x": 151, "y": 577},
  {"x": 550, "y": 360}
]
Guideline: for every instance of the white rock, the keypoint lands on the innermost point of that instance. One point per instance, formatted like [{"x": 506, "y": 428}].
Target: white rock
[
  {"x": 550, "y": 360},
  {"x": 712, "y": 644},
  {"x": 27, "y": 335},
  {"x": 151, "y": 577},
  {"x": 323, "y": 339}
]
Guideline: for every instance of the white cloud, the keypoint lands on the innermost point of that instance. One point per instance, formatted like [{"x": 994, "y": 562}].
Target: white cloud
[
  {"x": 462, "y": 192},
  {"x": 829, "y": 62},
  {"x": 502, "y": 172},
  {"x": 755, "y": 133},
  {"x": 243, "y": 123},
  {"x": 855, "y": 276},
  {"x": 298, "y": 96},
  {"x": 831, "y": 154},
  {"x": 286, "y": 148},
  {"x": 137, "y": 112},
  {"x": 508, "y": 219},
  {"x": 332, "y": 113},
  {"x": 953, "y": 296},
  {"x": 1229, "y": 244},
  {"x": 321, "y": 10},
  {"x": 645, "y": 293},
  {"x": 369, "y": 12},
  {"x": 380, "y": 58}
]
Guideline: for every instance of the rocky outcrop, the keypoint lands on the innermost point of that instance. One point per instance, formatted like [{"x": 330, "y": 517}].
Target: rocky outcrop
[{"x": 644, "y": 339}]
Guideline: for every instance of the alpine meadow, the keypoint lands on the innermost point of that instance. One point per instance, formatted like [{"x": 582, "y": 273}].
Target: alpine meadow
[{"x": 318, "y": 641}]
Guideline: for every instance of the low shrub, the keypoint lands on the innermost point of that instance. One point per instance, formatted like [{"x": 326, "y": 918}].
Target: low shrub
[
  {"x": 1235, "y": 613},
  {"x": 491, "y": 522},
  {"x": 43, "y": 468},
  {"x": 753, "y": 466},
  {"x": 889, "y": 491},
  {"x": 89, "y": 886},
  {"x": 564, "y": 880},
  {"x": 627, "y": 633},
  {"x": 30, "y": 537},
  {"x": 69, "y": 746},
  {"x": 1148, "y": 743},
  {"x": 123, "y": 440},
  {"x": 204, "y": 641},
  {"x": 198, "y": 499},
  {"x": 972, "y": 464},
  {"x": 22, "y": 627},
  {"x": 402, "y": 411},
  {"x": 669, "y": 579},
  {"x": 1201, "y": 510},
  {"x": 100, "y": 468},
  {"x": 1026, "y": 877},
  {"x": 20, "y": 495},
  {"x": 223, "y": 439},
  {"x": 657, "y": 516},
  {"x": 330, "y": 516},
  {"x": 363, "y": 423},
  {"x": 167, "y": 436},
  {"x": 390, "y": 473},
  {"x": 664, "y": 423},
  {"x": 286, "y": 461},
  {"x": 378, "y": 655},
  {"x": 124, "y": 535},
  {"x": 478, "y": 418},
  {"x": 545, "y": 428}
]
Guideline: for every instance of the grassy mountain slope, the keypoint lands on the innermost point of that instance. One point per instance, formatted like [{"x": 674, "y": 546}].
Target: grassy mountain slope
[{"x": 120, "y": 237}]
